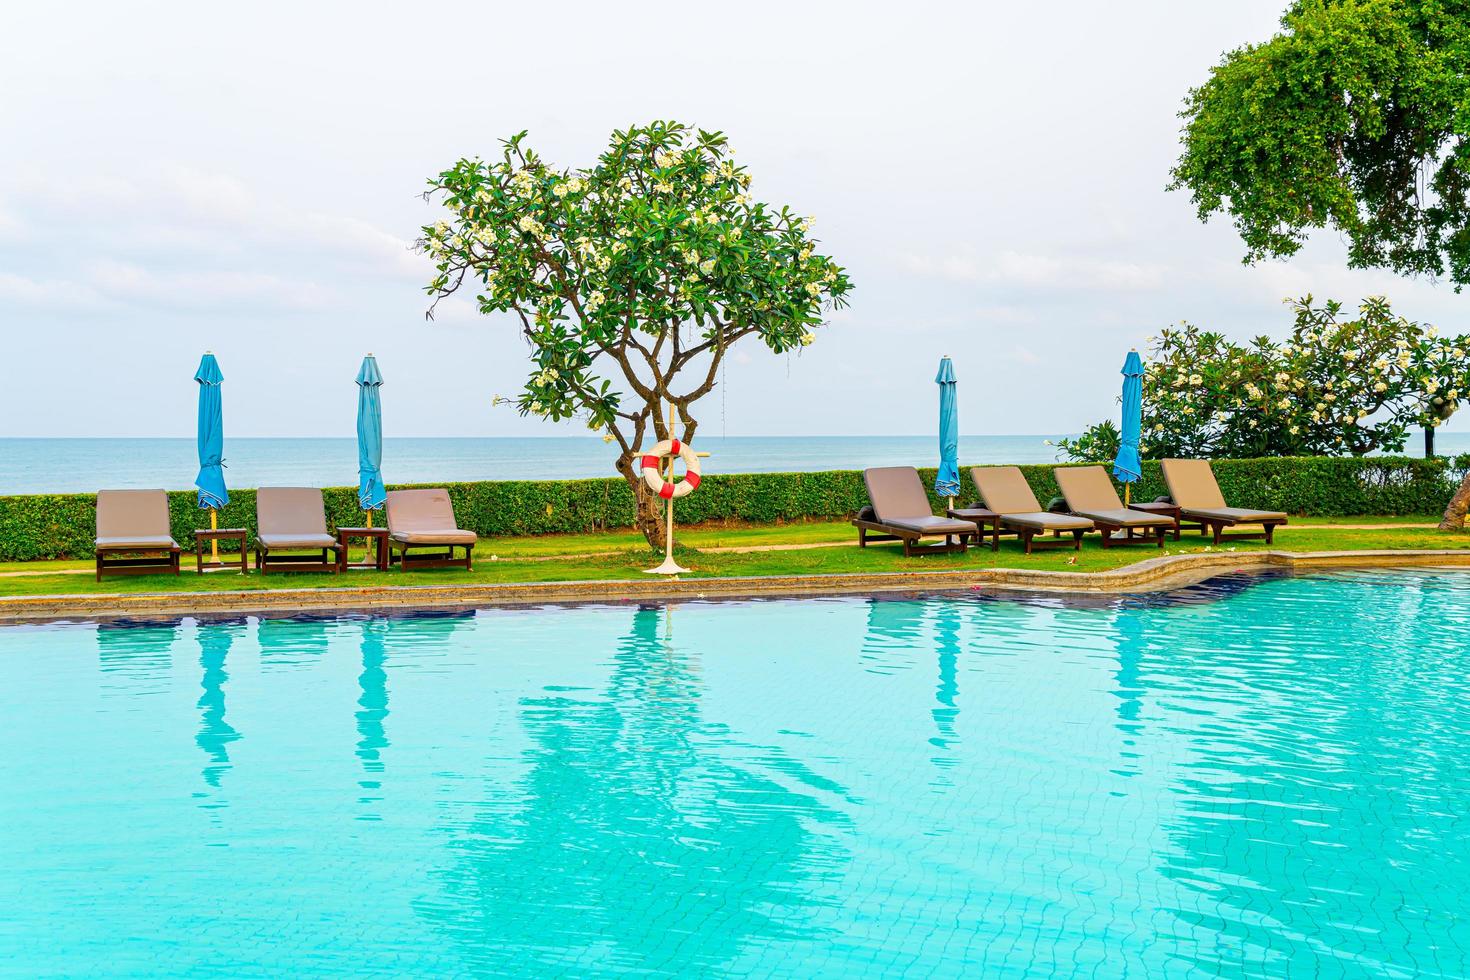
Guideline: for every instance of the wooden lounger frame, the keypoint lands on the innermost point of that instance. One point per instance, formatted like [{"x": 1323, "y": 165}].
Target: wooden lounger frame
[
  {"x": 160, "y": 560},
  {"x": 398, "y": 554},
  {"x": 1216, "y": 526},
  {"x": 877, "y": 531},
  {"x": 1150, "y": 532},
  {"x": 265, "y": 561},
  {"x": 1028, "y": 536}
]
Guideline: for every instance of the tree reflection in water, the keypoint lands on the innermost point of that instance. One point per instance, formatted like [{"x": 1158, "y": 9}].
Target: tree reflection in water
[{"x": 643, "y": 836}]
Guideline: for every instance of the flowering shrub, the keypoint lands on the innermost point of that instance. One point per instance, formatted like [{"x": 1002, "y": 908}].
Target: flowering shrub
[
  {"x": 630, "y": 279},
  {"x": 1336, "y": 386}
]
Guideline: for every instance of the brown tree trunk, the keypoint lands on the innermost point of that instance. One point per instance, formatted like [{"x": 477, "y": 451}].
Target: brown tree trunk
[
  {"x": 1454, "y": 514},
  {"x": 1429, "y": 442},
  {"x": 649, "y": 509}
]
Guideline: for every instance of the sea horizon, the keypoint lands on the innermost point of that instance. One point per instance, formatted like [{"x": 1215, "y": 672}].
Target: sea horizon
[{"x": 82, "y": 464}]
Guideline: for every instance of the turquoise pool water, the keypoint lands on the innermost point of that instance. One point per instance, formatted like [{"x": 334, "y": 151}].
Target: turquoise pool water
[{"x": 1240, "y": 779}]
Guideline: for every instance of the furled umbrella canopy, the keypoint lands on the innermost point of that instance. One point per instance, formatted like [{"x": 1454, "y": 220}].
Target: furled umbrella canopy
[
  {"x": 370, "y": 490},
  {"x": 211, "y": 436},
  {"x": 947, "y": 481},
  {"x": 1126, "y": 467}
]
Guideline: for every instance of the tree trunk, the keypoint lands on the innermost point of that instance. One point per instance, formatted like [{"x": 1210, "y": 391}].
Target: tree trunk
[
  {"x": 1454, "y": 514},
  {"x": 649, "y": 509},
  {"x": 1429, "y": 442}
]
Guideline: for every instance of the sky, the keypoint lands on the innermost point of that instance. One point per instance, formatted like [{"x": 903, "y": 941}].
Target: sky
[{"x": 246, "y": 178}]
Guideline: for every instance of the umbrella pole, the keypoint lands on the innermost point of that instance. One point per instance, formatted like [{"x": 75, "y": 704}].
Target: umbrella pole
[
  {"x": 1127, "y": 491},
  {"x": 214, "y": 542},
  {"x": 370, "y": 518}
]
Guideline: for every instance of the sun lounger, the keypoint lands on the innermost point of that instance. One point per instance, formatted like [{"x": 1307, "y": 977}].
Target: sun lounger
[
  {"x": 134, "y": 522},
  {"x": 289, "y": 521},
  {"x": 419, "y": 519},
  {"x": 1005, "y": 491},
  {"x": 1193, "y": 487},
  {"x": 899, "y": 510},
  {"x": 1090, "y": 494}
]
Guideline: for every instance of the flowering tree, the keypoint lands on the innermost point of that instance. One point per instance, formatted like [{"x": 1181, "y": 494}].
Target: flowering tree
[
  {"x": 629, "y": 280},
  {"x": 1336, "y": 386}
]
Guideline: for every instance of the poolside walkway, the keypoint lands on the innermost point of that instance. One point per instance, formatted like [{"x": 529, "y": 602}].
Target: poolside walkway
[{"x": 743, "y": 549}]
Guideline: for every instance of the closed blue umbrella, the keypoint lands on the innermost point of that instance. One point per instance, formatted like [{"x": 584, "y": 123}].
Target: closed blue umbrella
[
  {"x": 211, "y": 436},
  {"x": 370, "y": 490},
  {"x": 947, "y": 481},
  {"x": 1127, "y": 467}
]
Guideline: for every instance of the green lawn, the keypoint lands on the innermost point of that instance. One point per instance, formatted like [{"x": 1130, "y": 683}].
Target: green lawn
[{"x": 564, "y": 558}]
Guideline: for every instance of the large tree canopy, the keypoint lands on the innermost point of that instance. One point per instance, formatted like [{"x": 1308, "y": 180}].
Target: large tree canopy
[
  {"x": 629, "y": 279},
  {"x": 1356, "y": 117}
]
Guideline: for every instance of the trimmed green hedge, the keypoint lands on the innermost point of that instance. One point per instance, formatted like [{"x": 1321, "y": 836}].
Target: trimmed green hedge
[{"x": 62, "y": 525}]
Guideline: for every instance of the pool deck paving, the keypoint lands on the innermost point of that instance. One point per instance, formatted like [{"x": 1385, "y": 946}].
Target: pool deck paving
[{"x": 1150, "y": 575}]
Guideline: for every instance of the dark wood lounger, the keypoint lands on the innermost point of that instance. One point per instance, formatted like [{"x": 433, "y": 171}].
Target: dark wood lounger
[
  {"x": 421, "y": 520},
  {"x": 1004, "y": 491},
  {"x": 134, "y": 523},
  {"x": 293, "y": 520},
  {"x": 1089, "y": 493},
  {"x": 899, "y": 510},
  {"x": 1193, "y": 487}
]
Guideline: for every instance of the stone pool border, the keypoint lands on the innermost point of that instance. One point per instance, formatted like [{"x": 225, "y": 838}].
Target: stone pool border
[{"x": 1150, "y": 575}]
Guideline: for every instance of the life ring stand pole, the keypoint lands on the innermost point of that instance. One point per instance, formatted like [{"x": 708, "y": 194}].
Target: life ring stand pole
[{"x": 669, "y": 566}]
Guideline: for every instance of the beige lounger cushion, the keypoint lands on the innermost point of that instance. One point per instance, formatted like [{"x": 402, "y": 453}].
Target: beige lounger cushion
[
  {"x": 139, "y": 542},
  {"x": 133, "y": 519},
  {"x": 1087, "y": 488},
  {"x": 1234, "y": 515},
  {"x": 932, "y": 525},
  {"x": 1004, "y": 490},
  {"x": 424, "y": 517},
  {"x": 434, "y": 537},
  {"x": 1125, "y": 517},
  {"x": 1193, "y": 487},
  {"x": 297, "y": 541},
  {"x": 1090, "y": 494},
  {"x": 292, "y": 517},
  {"x": 1043, "y": 520},
  {"x": 1192, "y": 484},
  {"x": 899, "y": 501}
]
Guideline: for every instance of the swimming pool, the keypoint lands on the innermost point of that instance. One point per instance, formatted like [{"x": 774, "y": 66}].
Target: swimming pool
[{"x": 1246, "y": 778}]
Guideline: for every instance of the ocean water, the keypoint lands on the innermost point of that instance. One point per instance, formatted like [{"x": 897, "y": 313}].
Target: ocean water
[
  {"x": 86, "y": 465},
  {"x": 1247, "y": 778}
]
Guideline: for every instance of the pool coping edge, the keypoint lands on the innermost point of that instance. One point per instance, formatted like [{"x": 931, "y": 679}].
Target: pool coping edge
[{"x": 1161, "y": 573}]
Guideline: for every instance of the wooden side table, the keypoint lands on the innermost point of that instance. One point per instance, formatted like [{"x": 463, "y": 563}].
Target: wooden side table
[
  {"x": 981, "y": 518},
  {"x": 1162, "y": 507},
  {"x": 379, "y": 538},
  {"x": 218, "y": 534}
]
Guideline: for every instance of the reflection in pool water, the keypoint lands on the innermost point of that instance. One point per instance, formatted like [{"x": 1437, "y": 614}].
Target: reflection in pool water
[{"x": 1262, "y": 779}]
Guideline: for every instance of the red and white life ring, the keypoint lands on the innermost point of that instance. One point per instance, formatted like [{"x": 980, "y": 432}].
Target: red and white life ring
[{"x": 652, "y": 461}]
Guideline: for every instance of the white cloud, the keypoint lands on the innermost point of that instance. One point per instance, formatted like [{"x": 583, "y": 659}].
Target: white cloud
[
  {"x": 220, "y": 291},
  {"x": 203, "y": 214},
  {"x": 1031, "y": 270},
  {"x": 47, "y": 294}
]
